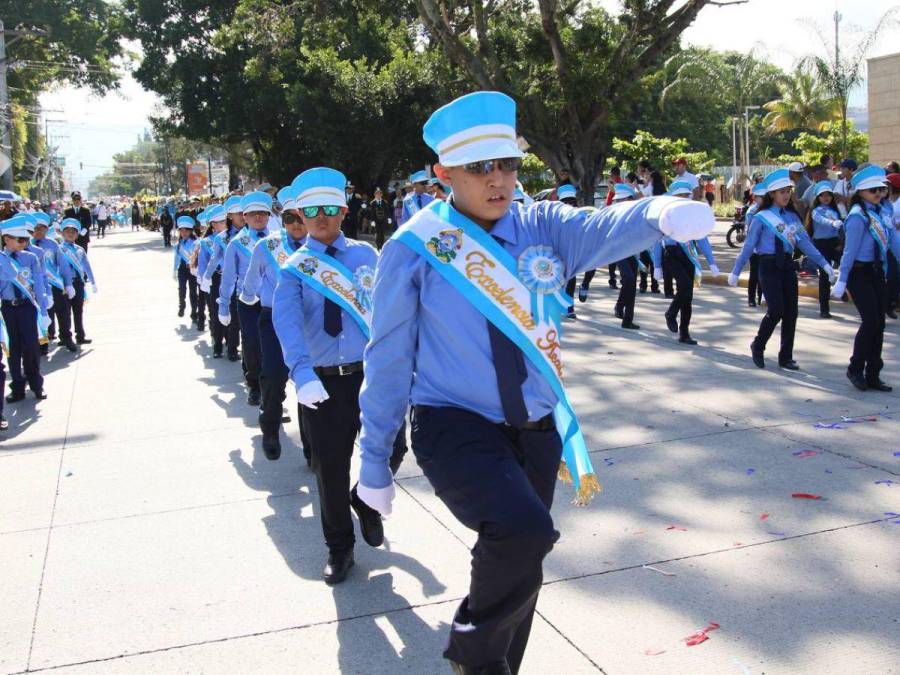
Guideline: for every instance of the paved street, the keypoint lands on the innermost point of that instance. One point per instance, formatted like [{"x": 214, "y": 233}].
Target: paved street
[{"x": 143, "y": 531}]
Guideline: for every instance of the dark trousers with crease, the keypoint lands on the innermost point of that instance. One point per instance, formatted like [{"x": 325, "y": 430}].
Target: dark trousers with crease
[
  {"x": 893, "y": 282},
  {"x": 681, "y": 268},
  {"x": 24, "y": 348},
  {"x": 331, "y": 430},
  {"x": 648, "y": 263},
  {"x": 60, "y": 317},
  {"x": 779, "y": 285},
  {"x": 232, "y": 331},
  {"x": 249, "y": 318},
  {"x": 829, "y": 250},
  {"x": 273, "y": 375},
  {"x": 216, "y": 329},
  {"x": 77, "y": 305},
  {"x": 499, "y": 482},
  {"x": 202, "y": 301},
  {"x": 627, "y": 292},
  {"x": 867, "y": 285},
  {"x": 754, "y": 289},
  {"x": 187, "y": 286}
]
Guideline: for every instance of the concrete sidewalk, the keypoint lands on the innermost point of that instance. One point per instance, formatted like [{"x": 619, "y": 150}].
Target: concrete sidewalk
[{"x": 143, "y": 531}]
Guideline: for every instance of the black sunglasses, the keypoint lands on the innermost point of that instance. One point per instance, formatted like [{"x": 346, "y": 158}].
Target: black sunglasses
[
  {"x": 23, "y": 240},
  {"x": 313, "y": 211},
  {"x": 506, "y": 164},
  {"x": 289, "y": 218}
]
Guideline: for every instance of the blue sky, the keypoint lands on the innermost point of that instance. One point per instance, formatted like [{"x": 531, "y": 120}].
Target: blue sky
[{"x": 90, "y": 129}]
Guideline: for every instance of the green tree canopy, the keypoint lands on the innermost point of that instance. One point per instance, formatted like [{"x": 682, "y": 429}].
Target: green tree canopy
[
  {"x": 660, "y": 152},
  {"x": 805, "y": 103}
]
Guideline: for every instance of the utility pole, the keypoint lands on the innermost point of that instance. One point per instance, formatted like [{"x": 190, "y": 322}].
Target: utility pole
[
  {"x": 6, "y": 179},
  {"x": 209, "y": 168},
  {"x": 734, "y": 174}
]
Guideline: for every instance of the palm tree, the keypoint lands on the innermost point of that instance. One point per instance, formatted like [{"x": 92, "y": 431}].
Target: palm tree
[{"x": 805, "y": 103}]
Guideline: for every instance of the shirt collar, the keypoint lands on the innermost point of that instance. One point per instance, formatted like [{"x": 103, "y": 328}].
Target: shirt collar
[
  {"x": 340, "y": 243},
  {"x": 504, "y": 228}
]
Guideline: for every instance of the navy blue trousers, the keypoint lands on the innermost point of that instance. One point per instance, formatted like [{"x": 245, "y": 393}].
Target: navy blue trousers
[
  {"x": 24, "y": 349},
  {"x": 779, "y": 285},
  {"x": 249, "y": 317},
  {"x": 273, "y": 374},
  {"x": 499, "y": 482}
]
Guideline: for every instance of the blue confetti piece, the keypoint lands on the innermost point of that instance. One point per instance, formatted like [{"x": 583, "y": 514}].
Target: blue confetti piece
[
  {"x": 749, "y": 472},
  {"x": 820, "y": 425},
  {"x": 886, "y": 482},
  {"x": 897, "y": 453},
  {"x": 777, "y": 534},
  {"x": 827, "y": 470},
  {"x": 609, "y": 461}
]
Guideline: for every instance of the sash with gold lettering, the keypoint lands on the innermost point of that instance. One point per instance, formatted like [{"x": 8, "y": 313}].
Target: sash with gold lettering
[
  {"x": 51, "y": 269},
  {"x": 278, "y": 249},
  {"x": 352, "y": 291},
  {"x": 787, "y": 233},
  {"x": 494, "y": 282},
  {"x": 878, "y": 230},
  {"x": 20, "y": 277}
]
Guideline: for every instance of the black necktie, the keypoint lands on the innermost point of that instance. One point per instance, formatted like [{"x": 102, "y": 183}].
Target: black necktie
[
  {"x": 509, "y": 367},
  {"x": 16, "y": 292},
  {"x": 779, "y": 253},
  {"x": 332, "y": 311},
  {"x": 419, "y": 201}
]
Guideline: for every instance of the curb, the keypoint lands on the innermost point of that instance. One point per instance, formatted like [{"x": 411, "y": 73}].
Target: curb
[{"x": 804, "y": 290}]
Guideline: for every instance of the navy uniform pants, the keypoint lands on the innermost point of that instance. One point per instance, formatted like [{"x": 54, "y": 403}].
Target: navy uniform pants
[
  {"x": 60, "y": 317},
  {"x": 829, "y": 250},
  {"x": 499, "y": 482},
  {"x": 187, "y": 286},
  {"x": 779, "y": 285},
  {"x": 627, "y": 292},
  {"x": 754, "y": 289},
  {"x": 893, "y": 282},
  {"x": 331, "y": 431},
  {"x": 249, "y": 318},
  {"x": 24, "y": 348},
  {"x": 648, "y": 263},
  {"x": 216, "y": 329},
  {"x": 202, "y": 301},
  {"x": 867, "y": 285},
  {"x": 273, "y": 374},
  {"x": 681, "y": 269},
  {"x": 232, "y": 332}
]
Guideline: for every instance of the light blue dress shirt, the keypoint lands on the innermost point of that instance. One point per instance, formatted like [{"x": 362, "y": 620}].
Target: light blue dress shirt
[
  {"x": 76, "y": 252},
  {"x": 859, "y": 244},
  {"x": 234, "y": 266},
  {"x": 411, "y": 205},
  {"x": 262, "y": 273},
  {"x": 760, "y": 239},
  {"x": 429, "y": 345},
  {"x": 298, "y": 313},
  {"x": 822, "y": 218},
  {"x": 51, "y": 248},
  {"x": 220, "y": 245},
  {"x": 29, "y": 261},
  {"x": 186, "y": 245},
  {"x": 703, "y": 245},
  {"x": 207, "y": 248}
]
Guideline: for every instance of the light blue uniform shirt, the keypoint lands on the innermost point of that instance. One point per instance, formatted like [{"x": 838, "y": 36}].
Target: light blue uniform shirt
[
  {"x": 859, "y": 244},
  {"x": 703, "y": 245},
  {"x": 262, "y": 274},
  {"x": 760, "y": 239},
  {"x": 411, "y": 205},
  {"x": 234, "y": 266},
  {"x": 430, "y": 345},
  {"x": 51, "y": 248},
  {"x": 74, "y": 251},
  {"x": 29, "y": 261},
  {"x": 207, "y": 248},
  {"x": 220, "y": 245},
  {"x": 822, "y": 218},
  {"x": 186, "y": 245},
  {"x": 298, "y": 313}
]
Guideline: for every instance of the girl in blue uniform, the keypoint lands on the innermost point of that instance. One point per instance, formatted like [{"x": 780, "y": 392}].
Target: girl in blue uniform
[
  {"x": 754, "y": 290},
  {"x": 864, "y": 267},
  {"x": 775, "y": 234},
  {"x": 628, "y": 268},
  {"x": 184, "y": 249},
  {"x": 824, "y": 223}
]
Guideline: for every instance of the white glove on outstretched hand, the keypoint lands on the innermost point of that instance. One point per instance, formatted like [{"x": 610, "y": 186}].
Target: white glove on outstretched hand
[
  {"x": 70, "y": 292},
  {"x": 311, "y": 393},
  {"x": 379, "y": 499},
  {"x": 732, "y": 279},
  {"x": 837, "y": 224},
  {"x": 838, "y": 290},
  {"x": 832, "y": 275},
  {"x": 205, "y": 285},
  {"x": 714, "y": 269},
  {"x": 684, "y": 220},
  {"x": 657, "y": 274},
  {"x": 224, "y": 319}
]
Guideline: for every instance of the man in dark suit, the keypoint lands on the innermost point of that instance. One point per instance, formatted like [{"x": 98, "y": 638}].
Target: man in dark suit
[{"x": 83, "y": 215}]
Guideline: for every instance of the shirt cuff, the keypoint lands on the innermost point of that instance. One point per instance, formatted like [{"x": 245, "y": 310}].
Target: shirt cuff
[
  {"x": 376, "y": 475},
  {"x": 301, "y": 376}
]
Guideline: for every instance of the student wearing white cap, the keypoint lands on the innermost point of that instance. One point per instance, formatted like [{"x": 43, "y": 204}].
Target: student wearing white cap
[
  {"x": 568, "y": 194},
  {"x": 59, "y": 283},
  {"x": 212, "y": 277},
  {"x": 181, "y": 266},
  {"x": 870, "y": 236},
  {"x": 216, "y": 224},
  {"x": 417, "y": 199},
  {"x": 76, "y": 259},
  {"x": 754, "y": 289},
  {"x": 200, "y": 229},
  {"x": 24, "y": 308},
  {"x": 776, "y": 234},
  {"x": 491, "y": 416},
  {"x": 824, "y": 223},
  {"x": 628, "y": 268},
  {"x": 256, "y": 207}
]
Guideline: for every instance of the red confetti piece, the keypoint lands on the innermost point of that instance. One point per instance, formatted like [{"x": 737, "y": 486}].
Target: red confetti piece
[
  {"x": 738, "y": 543},
  {"x": 654, "y": 652},
  {"x": 805, "y": 495},
  {"x": 677, "y": 527},
  {"x": 764, "y": 516},
  {"x": 803, "y": 454},
  {"x": 701, "y": 635}
]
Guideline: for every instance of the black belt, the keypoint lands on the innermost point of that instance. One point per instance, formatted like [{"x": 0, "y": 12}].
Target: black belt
[
  {"x": 341, "y": 370},
  {"x": 15, "y": 303},
  {"x": 546, "y": 423},
  {"x": 857, "y": 265}
]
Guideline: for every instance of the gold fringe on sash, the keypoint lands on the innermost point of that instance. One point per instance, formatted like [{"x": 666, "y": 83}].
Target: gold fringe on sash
[
  {"x": 588, "y": 485},
  {"x": 564, "y": 474}
]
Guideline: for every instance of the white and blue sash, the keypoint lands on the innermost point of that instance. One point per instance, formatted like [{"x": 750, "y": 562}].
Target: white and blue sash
[
  {"x": 486, "y": 275},
  {"x": 351, "y": 291},
  {"x": 690, "y": 250},
  {"x": 51, "y": 269},
  {"x": 278, "y": 249},
  {"x": 23, "y": 281},
  {"x": 878, "y": 230},
  {"x": 184, "y": 248},
  {"x": 246, "y": 242},
  {"x": 788, "y": 234},
  {"x": 71, "y": 254}
]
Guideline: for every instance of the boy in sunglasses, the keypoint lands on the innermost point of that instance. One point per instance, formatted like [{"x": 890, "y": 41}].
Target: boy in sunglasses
[
  {"x": 256, "y": 207},
  {"x": 259, "y": 286},
  {"x": 418, "y": 199},
  {"x": 467, "y": 324},
  {"x": 321, "y": 310}
]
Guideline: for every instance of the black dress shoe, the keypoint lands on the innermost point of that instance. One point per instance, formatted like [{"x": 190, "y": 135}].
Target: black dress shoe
[
  {"x": 234, "y": 357},
  {"x": 672, "y": 323},
  {"x": 369, "y": 520},
  {"x": 40, "y": 395},
  {"x": 630, "y": 325},
  {"x": 857, "y": 380},
  {"x": 643, "y": 289},
  {"x": 670, "y": 295},
  {"x": 758, "y": 359},
  {"x": 15, "y": 398},
  {"x": 217, "y": 354},
  {"x": 619, "y": 312},
  {"x": 84, "y": 341},
  {"x": 337, "y": 567},
  {"x": 878, "y": 385},
  {"x": 891, "y": 313},
  {"x": 751, "y": 303},
  {"x": 45, "y": 348},
  {"x": 789, "y": 365},
  {"x": 71, "y": 346},
  {"x": 655, "y": 290},
  {"x": 613, "y": 284},
  {"x": 200, "y": 327},
  {"x": 253, "y": 397},
  {"x": 825, "y": 315},
  {"x": 687, "y": 340},
  {"x": 181, "y": 311},
  {"x": 496, "y": 668},
  {"x": 271, "y": 445},
  {"x": 4, "y": 425}
]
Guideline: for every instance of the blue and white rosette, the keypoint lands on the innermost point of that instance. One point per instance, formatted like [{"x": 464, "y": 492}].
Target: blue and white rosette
[
  {"x": 363, "y": 283},
  {"x": 542, "y": 273}
]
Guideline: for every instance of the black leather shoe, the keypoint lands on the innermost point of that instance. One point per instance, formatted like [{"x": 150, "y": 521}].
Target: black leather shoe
[
  {"x": 619, "y": 312},
  {"x": 630, "y": 325},
  {"x": 15, "y": 398},
  {"x": 369, "y": 520},
  {"x": 496, "y": 668},
  {"x": 234, "y": 357},
  {"x": 751, "y": 303},
  {"x": 84, "y": 341},
  {"x": 758, "y": 359},
  {"x": 856, "y": 379},
  {"x": 45, "y": 349},
  {"x": 878, "y": 385},
  {"x": 338, "y": 567},
  {"x": 687, "y": 340},
  {"x": 271, "y": 445},
  {"x": 200, "y": 327},
  {"x": 670, "y": 295},
  {"x": 891, "y": 313},
  {"x": 672, "y": 323},
  {"x": 253, "y": 397},
  {"x": 40, "y": 395},
  {"x": 181, "y": 311},
  {"x": 613, "y": 283},
  {"x": 71, "y": 346},
  {"x": 4, "y": 425},
  {"x": 825, "y": 315},
  {"x": 217, "y": 354},
  {"x": 789, "y": 365}
]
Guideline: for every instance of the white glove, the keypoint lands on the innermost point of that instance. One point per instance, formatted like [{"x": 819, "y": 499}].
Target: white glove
[
  {"x": 837, "y": 223},
  {"x": 682, "y": 219},
  {"x": 224, "y": 319},
  {"x": 50, "y": 301},
  {"x": 378, "y": 498},
  {"x": 44, "y": 321},
  {"x": 248, "y": 300},
  {"x": 732, "y": 279},
  {"x": 94, "y": 288},
  {"x": 70, "y": 292},
  {"x": 657, "y": 274},
  {"x": 311, "y": 393},
  {"x": 838, "y": 290},
  {"x": 831, "y": 274},
  {"x": 205, "y": 285},
  {"x": 714, "y": 269}
]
